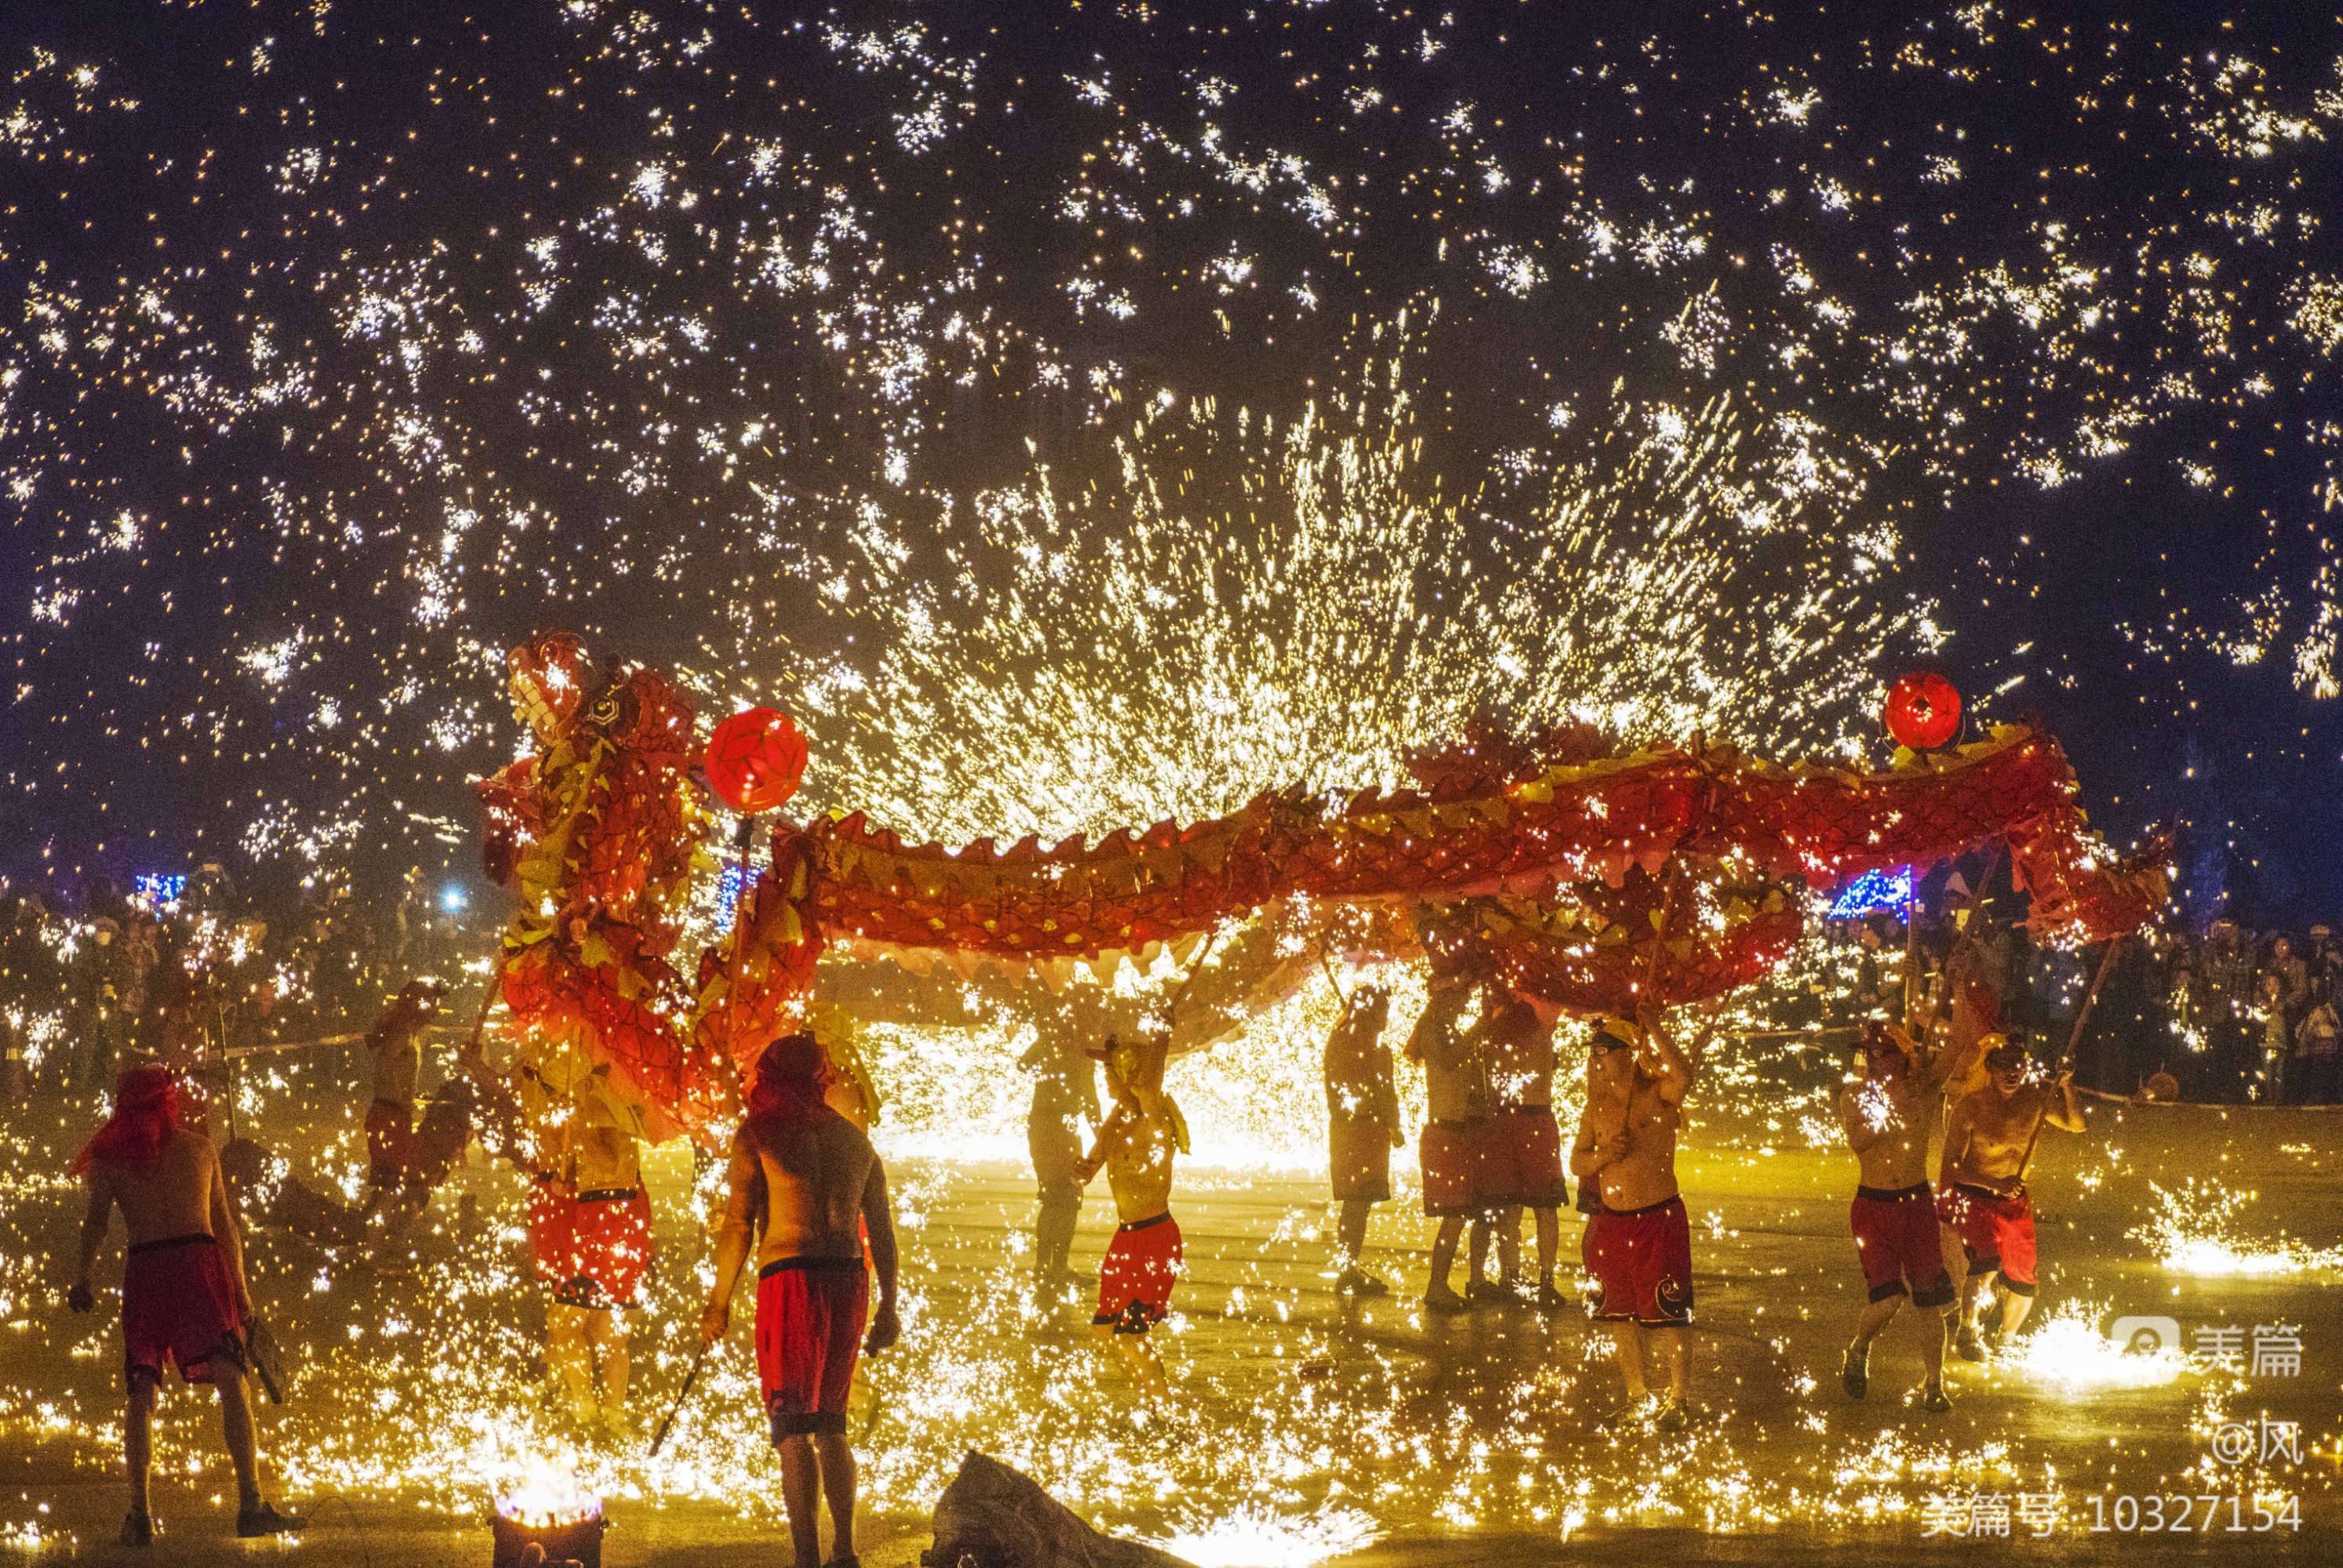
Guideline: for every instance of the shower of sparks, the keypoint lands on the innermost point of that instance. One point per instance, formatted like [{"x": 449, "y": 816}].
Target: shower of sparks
[
  {"x": 1255, "y": 1537},
  {"x": 2064, "y": 1349},
  {"x": 1032, "y": 406},
  {"x": 1079, "y": 416},
  {"x": 2196, "y": 1228}
]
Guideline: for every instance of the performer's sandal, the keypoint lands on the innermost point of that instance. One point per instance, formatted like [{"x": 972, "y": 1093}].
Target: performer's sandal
[
  {"x": 1855, "y": 1372},
  {"x": 137, "y": 1529},
  {"x": 1934, "y": 1399}
]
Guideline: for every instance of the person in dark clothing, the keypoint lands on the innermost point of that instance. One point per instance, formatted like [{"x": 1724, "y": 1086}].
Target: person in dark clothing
[
  {"x": 2225, "y": 973},
  {"x": 2314, "y": 1074},
  {"x": 1065, "y": 1102}
]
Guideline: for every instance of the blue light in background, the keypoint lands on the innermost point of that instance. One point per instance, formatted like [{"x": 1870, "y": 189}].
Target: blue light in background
[
  {"x": 161, "y": 889},
  {"x": 729, "y": 887},
  {"x": 454, "y": 899},
  {"x": 1874, "y": 891}
]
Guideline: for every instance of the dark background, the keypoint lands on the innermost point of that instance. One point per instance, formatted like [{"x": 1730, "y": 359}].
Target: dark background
[{"x": 456, "y": 134}]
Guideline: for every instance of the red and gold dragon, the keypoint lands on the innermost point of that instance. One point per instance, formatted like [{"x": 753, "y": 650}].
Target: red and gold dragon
[{"x": 1592, "y": 879}]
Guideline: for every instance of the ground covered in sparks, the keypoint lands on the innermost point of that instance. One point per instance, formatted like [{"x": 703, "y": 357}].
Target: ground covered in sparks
[{"x": 1313, "y": 1430}]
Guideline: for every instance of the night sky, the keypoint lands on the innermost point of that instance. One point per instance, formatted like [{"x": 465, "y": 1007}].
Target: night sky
[{"x": 338, "y": 354}]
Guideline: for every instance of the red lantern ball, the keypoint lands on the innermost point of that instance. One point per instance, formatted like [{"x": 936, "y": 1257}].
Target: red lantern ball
[
  {"x": 755, "y": 760},
  {"x": 1923, "y": 710}
]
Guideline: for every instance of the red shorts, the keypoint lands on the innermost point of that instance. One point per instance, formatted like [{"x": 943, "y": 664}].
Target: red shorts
[
  {"x": 605, "y": 1249},
  {"x": 1641, "y": 1261},
  {"x": 1142, "y": 1263},
  {"x": 1358, "y": 1159},
  {"x": 1457, "y": 1177},
  {"x": 178, "y": 1305},
  {"x": 549, "y": 1231},
  {"x": 390, "y": 1143},
  {"x": 1896, "y": 1239},
  {"x": 810, "y": 1313},
  {"x": 1996, "y": 1233},
  {"x": 1525, "y": 1157}
]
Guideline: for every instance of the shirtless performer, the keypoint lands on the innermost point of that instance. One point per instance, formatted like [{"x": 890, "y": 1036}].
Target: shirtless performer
[
  {"x": 1888, "y": 1113},
  {"x": 1638, "y": 1243},
  {"x": 811, "y": 1179},
  {"x": 1453, "y": 1145},
  {"x": 184, "y": 1298},
  {"x": 1363, "y": 1127},
  {"x": 1981, "y": 1196},
  {"x": 603, "y": 1252},
  {"x": 1142, "y": 1133},
  {"x": 397, "y": 1043},
  {"x": 1524, "y": 1136}
]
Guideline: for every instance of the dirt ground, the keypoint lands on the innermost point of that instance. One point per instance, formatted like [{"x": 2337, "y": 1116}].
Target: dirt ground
[{"x": 1312, "y": 1429}]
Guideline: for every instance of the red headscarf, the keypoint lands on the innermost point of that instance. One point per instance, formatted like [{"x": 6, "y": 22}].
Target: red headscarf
[
  {"x": 787, "y": 1078},
  {"x": 146, "y": 1111}
]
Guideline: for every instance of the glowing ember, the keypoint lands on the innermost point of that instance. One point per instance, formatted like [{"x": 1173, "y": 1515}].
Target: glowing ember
[
  {"x": 2066, "y": 1350},
  {"x": 543, "y": 1497},
  {"x": 2194, "y": 1231},
  {"x": 1256, "y": 1537}
]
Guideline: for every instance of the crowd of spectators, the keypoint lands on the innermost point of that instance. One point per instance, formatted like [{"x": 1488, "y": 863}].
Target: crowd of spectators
[
  {"x": 2221, "y": 1016},
  {"x": 89, "y": 980}
]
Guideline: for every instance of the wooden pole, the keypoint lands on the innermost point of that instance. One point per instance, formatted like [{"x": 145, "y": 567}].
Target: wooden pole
[
  {"x": 659, "y": 1438},
  {"x": 1327, "y": 964},
  {"x": 1911, "y": 946},
  {"x": 2074, "y": 1041}
]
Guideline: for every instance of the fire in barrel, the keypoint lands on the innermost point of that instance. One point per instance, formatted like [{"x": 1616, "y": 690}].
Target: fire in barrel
[{"x": 552, "y": 1511}]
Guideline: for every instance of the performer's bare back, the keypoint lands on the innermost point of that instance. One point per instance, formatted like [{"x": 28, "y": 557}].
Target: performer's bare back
[
  {"x": 177, "y": 1196},
  {"x": 815, "y": 1177}
]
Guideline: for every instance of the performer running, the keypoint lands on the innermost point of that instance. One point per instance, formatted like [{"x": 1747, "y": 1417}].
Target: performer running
[
  {"x": 1983, "y": 1198},
  {"x": 811, "y": 1179},
  {"x": 1453, "y": 1145},
  {"x": 1638, "y": 1243},
  {"x": 1142, "y": 1133},
  {"x": 396, "y": 1044},
  {"x": 603, "y": 1252},
  {"x": 1887, "y": 1112},
  {"x": 184, "y": 1298},
  {"x": 1363, "y": 1128},
  {"x": 1524, "y": 1136},
  {"x": 1065, "y": 1101}
]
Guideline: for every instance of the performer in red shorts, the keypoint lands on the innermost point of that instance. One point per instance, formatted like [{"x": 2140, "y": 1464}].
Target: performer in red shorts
[
  {"x": 1983, "y": 1199},
  {"x": 1455, "y": 1148},
  {"x": 811, "y": 1179},
  {"x": 184, "y": 1298},
  {"x": 1886, "y": 1110},
  {"x": 595, "y": 1253},
  {"x": 1142, "y": 1132},
  {"x": 1526, "y": 1141},
  {"x": 396, "y": 1042},
  {"x": 1638, "y": 1244}
]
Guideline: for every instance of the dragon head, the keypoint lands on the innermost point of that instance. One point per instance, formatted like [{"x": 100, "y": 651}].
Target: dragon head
[{"x": 549, "y": 681}]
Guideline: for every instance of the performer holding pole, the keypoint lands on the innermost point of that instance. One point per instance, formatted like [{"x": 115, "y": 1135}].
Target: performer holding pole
[
  {"x": 1888, "y": 1110},
  {"x": 1983, "y": 1198},
  {"x": 1638, "y": 1242},
  {"x": 809, "y": 1179},
  {"x": 1142, "y": 1134}
]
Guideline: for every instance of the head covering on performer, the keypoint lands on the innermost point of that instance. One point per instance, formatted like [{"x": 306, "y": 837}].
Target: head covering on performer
[{"x": 146, "y": 1113}]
